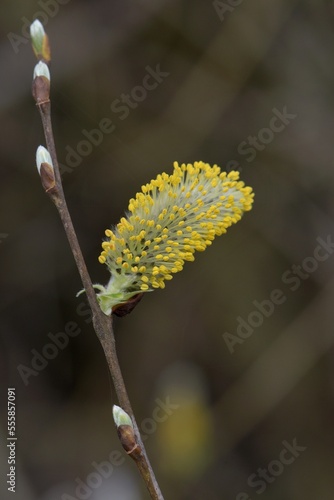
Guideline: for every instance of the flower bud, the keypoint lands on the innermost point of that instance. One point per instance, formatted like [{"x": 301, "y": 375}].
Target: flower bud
[
  {"x": 40, "y": 41},
  {"x": 42, "y": 69},
  {"x": 45, "y": 168},
  {"x": 125, "y": 430},
  {"x": 41, "y": 83},
  {"x": 121, "y": 417}
]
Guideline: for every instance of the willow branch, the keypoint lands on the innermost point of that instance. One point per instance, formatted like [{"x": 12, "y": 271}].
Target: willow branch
[{"x": 103, "y": 324}]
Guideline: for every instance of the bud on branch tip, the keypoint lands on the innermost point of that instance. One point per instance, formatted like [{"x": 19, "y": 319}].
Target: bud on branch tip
[{"x": 40, "y": 41}]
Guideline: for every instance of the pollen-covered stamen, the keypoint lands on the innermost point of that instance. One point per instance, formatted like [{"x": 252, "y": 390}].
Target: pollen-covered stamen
[{"x": 172, "y": 217}]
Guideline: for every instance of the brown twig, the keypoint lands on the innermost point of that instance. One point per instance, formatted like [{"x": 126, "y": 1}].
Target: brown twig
[{"x": 103, "y": 324}]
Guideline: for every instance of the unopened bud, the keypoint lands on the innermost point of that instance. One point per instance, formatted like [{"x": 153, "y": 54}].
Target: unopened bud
[
  {"x": 40, "y": 41},
  {"x": 41, "y": 83},
  {"x": 121, "y": 417},
  {"x": 41, "y": 69},
  {"x": 125, "y": 430},
  {"x": 45, "y": 168}
]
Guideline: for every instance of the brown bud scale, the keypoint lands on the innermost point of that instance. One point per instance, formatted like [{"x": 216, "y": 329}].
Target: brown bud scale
[
  {"x": 125, "y": 308},
  {"x": 41, "y": 89},
  {"x": 47, "y": 177},
  {"x": 127, "y": 437}
]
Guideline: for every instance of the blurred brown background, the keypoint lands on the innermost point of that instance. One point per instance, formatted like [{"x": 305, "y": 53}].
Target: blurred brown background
[{"x": 224, "y": 71}]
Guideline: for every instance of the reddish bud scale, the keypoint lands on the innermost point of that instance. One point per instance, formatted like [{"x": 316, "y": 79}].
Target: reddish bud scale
[
  {"x": 41, "y": 89},
  {"x": 127, "y": 438},
  {"x": 125, "y": 308},
  {"x": 47, "y": 177}
]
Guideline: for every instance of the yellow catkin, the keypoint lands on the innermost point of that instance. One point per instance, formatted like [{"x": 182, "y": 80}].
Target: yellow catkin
[{"x": 168, "y": 221}]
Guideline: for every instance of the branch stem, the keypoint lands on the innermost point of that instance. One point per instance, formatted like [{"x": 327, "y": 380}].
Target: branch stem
[{"x": 103, "y": 324}]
